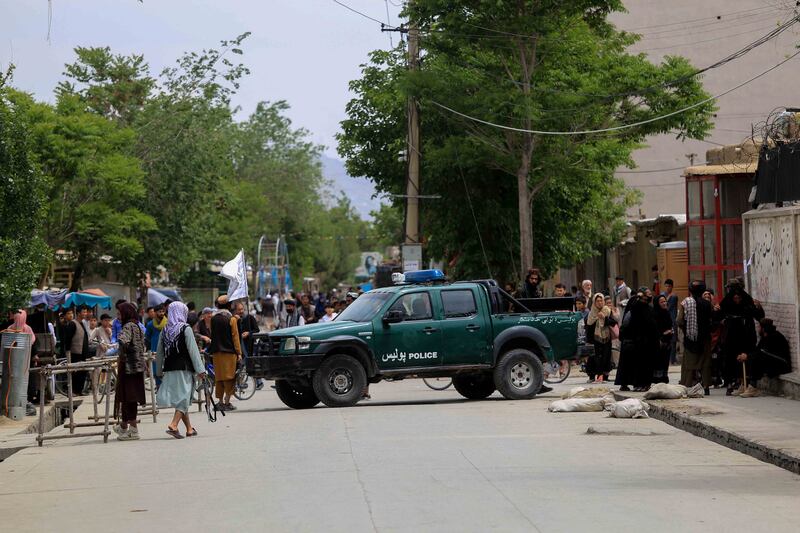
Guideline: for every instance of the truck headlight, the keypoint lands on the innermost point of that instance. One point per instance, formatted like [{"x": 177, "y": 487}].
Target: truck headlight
[
  {"x": 304, "y": 342},
  {"x": 289, "y": 345}
]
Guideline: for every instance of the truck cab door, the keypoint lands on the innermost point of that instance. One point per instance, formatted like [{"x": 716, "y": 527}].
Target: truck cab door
[
  {"x": 465, "y": 327},
  {"x": 416, "y": 341}
]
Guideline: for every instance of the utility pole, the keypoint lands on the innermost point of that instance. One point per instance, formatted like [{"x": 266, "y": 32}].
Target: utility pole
[
  {"x": 412, "y": 246},
  {"x": 412, "y": 185}
]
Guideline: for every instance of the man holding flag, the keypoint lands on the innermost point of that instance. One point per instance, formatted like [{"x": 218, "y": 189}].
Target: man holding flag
[{"x": 225, "y": 341}]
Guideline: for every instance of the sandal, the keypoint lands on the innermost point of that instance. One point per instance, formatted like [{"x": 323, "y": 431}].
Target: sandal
[
  {"x": 192, "y": 434},
  {"x": 174, "y": 432}
]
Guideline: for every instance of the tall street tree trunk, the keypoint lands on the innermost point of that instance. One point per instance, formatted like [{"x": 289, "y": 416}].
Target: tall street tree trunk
[
  {"x": 525, "y": 222},
  {"x": 77, "y": 272}
]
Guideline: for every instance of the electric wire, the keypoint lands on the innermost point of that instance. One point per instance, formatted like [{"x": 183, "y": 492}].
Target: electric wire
[
  {"x": 356, "y": 11},
  {"x": 624, "y": 126}
]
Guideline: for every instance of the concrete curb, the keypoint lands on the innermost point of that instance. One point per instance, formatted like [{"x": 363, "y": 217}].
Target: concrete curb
[{"x": 721, "y": 436}]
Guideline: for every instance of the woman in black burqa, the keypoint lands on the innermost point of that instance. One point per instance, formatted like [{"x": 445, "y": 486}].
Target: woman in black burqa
[
  {"x": 639, "y": 344},
  {"x": 663, "y": 320},
  {"x": 740, "y": 314}
]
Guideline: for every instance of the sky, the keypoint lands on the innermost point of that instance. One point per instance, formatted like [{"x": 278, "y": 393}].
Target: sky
[{"x": 301, "y": 51}]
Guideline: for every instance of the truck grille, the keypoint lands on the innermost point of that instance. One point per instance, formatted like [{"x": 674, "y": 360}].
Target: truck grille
[{"x": 268, "y": 346}]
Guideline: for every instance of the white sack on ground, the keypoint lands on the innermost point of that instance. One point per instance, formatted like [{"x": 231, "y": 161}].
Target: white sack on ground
[
  {"x": 580, "y": 405},
  {"x": 665, "y": 391},
  {"x": 586, "y": 392},
  {"x": 630, "y": 408}
]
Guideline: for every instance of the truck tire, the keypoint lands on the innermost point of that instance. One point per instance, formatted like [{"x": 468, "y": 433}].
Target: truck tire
[
  {"x": 519, "y": 374},
  {"x": 340, "y": 381},
  {"x": 295, "y": 396},
  {"x": 474, "y": 385}
]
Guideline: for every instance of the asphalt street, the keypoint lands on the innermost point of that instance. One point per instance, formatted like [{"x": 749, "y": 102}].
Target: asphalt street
[{"x": 412, "y": 459}]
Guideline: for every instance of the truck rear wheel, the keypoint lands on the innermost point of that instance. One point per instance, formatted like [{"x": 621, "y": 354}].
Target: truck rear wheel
[
  {"x": 519, "y": 374},
  {"x": 296, "y": 396},
  {"x": 340, "y": 381},
  {"x": 474, "y": 385}
]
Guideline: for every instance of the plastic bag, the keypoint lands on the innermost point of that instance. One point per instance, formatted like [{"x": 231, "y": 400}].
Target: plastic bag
[
  {"x": 665, "y": 391},
  {"x": 630, "y": 408}
]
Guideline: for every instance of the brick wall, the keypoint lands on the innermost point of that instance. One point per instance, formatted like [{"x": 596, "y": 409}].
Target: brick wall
[{"x": 785, "y": 317}]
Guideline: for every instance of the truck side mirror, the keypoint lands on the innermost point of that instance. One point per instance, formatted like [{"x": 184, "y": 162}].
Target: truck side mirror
[{"x": 392, "y": 316}]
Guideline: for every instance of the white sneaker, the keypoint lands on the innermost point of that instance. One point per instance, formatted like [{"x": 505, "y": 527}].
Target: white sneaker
[
  {"x": 116, "y": 428},
  {"x": 131, "y": 433}
]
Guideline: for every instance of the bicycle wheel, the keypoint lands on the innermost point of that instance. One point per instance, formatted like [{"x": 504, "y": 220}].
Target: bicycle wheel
[
  {"x": 107, "y": 384},
  {"x": 245, "y": 386},
  {"x": 556, "y": 372},
  {"x": 61, "y": 384},
  {"x": 438, "y": 383}
]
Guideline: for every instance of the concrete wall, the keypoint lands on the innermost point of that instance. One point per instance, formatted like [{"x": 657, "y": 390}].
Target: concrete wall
[{"x": 772, "y": 244}]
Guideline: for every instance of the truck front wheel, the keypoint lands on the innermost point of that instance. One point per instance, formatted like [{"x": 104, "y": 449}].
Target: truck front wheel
[
  {"x": 296, "y": 396},
  {"x": 474, "y": 385},
  {"x": 519, "y": 374},
  {"x": 340, "y": 381}
]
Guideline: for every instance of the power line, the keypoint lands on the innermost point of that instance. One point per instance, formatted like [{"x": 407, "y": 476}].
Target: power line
[
  {"x": 357, "y": 12},
  {"x": 624, "y": 126},
  {"x": 651, "y": 185},
  {"x": 725, "y": 60},
  {"x": 712, "y": 17},
  {"x": 648, "y": 171}
]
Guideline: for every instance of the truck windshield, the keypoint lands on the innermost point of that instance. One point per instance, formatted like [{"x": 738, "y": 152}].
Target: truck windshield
[{"x": 364, "y": 308}]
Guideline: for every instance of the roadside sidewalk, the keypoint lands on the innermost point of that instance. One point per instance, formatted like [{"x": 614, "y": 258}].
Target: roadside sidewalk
[{"x": 766, "y": 428}]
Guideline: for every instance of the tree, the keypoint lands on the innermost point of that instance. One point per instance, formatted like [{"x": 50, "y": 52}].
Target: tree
[
  {"x": 545, "y": 66},
  {"x": 23, "y": 252},
  {"x": 115, "y": 86},
  {"x": 94, "y": 181},
  {"x": 213, "y": 185}
]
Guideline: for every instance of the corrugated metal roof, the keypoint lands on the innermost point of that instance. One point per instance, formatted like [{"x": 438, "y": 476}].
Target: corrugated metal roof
[{"x": 712, "y": 170}]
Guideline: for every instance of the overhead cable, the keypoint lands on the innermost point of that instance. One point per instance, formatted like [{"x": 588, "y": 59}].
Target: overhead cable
[{"x": 624, "y": 126}]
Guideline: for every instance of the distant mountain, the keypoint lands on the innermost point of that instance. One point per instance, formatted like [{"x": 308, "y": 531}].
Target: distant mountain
[{"x": 358, "y": 190}]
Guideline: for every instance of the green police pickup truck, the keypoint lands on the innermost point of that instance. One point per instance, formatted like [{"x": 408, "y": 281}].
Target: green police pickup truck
[{"x": 422, "y": 327}]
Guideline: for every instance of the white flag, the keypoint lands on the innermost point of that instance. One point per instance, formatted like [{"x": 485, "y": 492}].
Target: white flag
[{"x": 236, "y": 271}]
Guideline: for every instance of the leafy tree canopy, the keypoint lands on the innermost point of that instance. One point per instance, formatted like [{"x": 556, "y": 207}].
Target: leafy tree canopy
[
  {"x": 23, "y": 206},
  {"x": 546, "y": 66}
]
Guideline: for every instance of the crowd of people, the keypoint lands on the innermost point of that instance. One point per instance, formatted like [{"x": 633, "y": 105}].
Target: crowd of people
[
  {"x": 724, "y": 343},
  {"x": 274, "y": 312},
  {"x": 182, "y": 338}
]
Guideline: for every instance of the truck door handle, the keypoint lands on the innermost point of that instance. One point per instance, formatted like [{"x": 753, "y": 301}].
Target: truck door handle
[
  {"x": 473, "y": 327},
  {"x": 430, "y": 330}
]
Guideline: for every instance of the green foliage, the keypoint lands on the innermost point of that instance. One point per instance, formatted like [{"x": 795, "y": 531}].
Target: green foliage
[
  {"x": 199, "y": 185},
  {"x": 23, "y": 252},
  {"x": 115, "y": 86},
  {"x": 94, "y": 182},
  {"x": 553, "y": 66}
]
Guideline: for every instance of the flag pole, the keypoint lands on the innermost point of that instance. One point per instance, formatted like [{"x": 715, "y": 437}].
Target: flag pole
[{"x": 247, "y": 293}]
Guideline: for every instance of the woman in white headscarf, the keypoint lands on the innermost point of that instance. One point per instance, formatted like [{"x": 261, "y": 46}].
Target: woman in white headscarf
[{"x": 178, "y": 361}]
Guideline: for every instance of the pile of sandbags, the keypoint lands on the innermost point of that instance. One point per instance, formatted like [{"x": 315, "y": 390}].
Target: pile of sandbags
[
  {"x": 581, "y": 400},
  {"x": 597, "y": 399}
]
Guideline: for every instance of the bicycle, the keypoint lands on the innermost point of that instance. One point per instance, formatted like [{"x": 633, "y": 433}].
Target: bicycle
[
  {"x": 557, "y": 371},
  {"x": 438, "y": 383},
  {"x": 244, "y": 386}
]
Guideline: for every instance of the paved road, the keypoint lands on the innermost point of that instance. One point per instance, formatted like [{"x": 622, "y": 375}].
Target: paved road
[{"x": 412, "y": 459}]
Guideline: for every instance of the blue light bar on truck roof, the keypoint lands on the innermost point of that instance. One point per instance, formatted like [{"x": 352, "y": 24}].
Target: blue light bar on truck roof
[{"x": 422, "y": 276}]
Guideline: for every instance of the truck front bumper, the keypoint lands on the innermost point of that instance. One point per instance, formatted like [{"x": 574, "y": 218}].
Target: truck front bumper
[{"x": 279, "y": 366}]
